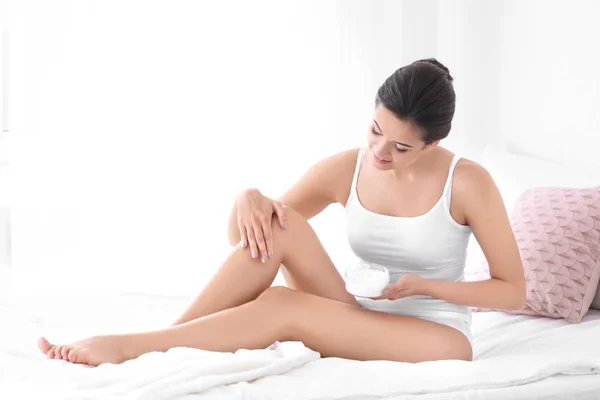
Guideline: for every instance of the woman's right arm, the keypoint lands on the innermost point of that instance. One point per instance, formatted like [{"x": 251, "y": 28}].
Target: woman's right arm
[{"x": 326, "y": 182}]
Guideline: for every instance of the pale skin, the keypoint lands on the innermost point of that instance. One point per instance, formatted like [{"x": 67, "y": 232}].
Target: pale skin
[{"x": 239, "y": 308}]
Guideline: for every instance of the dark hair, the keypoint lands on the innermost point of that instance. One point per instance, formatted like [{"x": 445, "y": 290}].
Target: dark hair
[{"x": 422, "y": 93}]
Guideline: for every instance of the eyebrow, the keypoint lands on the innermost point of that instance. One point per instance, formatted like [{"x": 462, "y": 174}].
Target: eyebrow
[{"x": 403, "y": 144}]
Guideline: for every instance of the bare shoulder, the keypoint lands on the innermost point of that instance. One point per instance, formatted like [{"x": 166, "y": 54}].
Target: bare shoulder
[
  {"x": 345, "y": 156},
  {"x": 473, "y": 186},
  {"x": 471, "y": 177},
  {"x": 344, "y": 161},
  {"x": 340, "y": 168},
  {"x": 337, "y": 166}
]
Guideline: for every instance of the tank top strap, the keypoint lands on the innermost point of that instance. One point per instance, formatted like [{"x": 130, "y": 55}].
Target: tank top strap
[
  {"x": 355, "y": 177},
  {"x": 448, "y": 185}
]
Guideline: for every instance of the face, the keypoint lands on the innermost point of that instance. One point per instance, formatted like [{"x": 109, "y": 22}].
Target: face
[{"x": 394, "y": 143}]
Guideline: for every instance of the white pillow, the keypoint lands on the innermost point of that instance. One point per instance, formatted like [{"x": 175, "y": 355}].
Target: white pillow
[{"x": 515, "y": 173}]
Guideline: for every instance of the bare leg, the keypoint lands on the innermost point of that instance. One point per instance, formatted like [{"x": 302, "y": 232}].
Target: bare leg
[
  {"x": 333, "y": 328},
  {"x": 241, "y": 279}
]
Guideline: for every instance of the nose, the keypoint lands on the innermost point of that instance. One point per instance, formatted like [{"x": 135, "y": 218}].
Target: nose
[{"x": 381, "y": 152}]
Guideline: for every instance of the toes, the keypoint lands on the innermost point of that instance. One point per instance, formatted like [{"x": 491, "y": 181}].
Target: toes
[
  {"x": 74, "y": 356},
  {"x": 50, "y": 353},
  {"x": 64, "y": 354},
  {"x": 44, "y": 345},
  {"x": 57, "y": 350}
]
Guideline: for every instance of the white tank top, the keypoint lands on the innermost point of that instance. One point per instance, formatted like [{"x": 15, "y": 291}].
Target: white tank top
[{"x": 432, "y": 245}]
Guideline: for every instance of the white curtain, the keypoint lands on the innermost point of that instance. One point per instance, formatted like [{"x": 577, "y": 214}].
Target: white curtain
[{"x": 134, "y": 124}]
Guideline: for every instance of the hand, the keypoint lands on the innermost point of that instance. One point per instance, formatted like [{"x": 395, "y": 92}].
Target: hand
[
  {"x": 254, "y": 213},
  {"x": 408, "y": 285}
]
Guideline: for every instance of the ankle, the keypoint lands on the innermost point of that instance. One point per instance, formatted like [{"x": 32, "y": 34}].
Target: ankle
[{"x": 132, "y": 345}]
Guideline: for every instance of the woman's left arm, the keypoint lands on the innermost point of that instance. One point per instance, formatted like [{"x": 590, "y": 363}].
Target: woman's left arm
[{"x": 476, "y": 194}]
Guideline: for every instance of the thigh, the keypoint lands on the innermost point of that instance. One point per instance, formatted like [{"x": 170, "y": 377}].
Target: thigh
[
  {"x": 335, "y": 329},
  {"x": 306, "y": 266}
]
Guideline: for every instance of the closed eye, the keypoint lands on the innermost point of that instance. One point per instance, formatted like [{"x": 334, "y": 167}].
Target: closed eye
[{"x": 400, "y": 149}]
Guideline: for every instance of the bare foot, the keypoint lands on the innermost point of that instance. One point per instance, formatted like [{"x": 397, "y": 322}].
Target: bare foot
[{"x": 94, "y": 351}]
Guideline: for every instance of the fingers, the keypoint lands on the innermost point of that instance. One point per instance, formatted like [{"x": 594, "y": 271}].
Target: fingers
[
  {"x": 397, "y": 294},
  {"x": 268, "y": 235},
  {"x": 254, "y": 223},
  {"x": 252, "y": 241},
  {"x": 260, "y": 241},
  {"x": 256, "y": 241},
  {"x": 243, "y": 236},
  {"x": 280, "y": 213},
  {"x": 387, "y": 293},
  {"x": 380, "y": 298}
]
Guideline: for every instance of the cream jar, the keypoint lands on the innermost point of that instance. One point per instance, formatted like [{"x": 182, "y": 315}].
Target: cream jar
[{"x": 366, "y": 279}]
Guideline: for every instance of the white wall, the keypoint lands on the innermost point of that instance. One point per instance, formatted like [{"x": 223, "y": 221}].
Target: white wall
[
  {"x": 122, "y": 113},
  {"x": 5, "y": 256},
  {"x": 125, "y": 111},
  {"x": 549, "y": 98},
  {"x": 526, "y": 75},
  {"x": 468, "y": 33}
]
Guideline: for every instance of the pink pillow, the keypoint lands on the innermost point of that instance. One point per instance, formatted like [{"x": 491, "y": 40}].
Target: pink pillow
[{"x": 558, "y": 234}]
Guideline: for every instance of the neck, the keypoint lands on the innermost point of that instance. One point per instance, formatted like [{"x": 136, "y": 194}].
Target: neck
[{"x": 422, "y": 166}]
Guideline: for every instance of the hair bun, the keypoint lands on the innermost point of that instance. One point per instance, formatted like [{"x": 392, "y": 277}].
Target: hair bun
[{"x": 438, "y": 64}]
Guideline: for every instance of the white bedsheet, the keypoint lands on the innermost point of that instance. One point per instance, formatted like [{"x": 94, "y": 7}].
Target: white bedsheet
[{"x": 512, "y": 353}]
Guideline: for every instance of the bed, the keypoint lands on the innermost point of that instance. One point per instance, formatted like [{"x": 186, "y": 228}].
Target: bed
[{"x": 515, "y": 356}]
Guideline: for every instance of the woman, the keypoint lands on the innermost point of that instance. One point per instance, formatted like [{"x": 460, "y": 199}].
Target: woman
[{"x": 411, "y": 205}]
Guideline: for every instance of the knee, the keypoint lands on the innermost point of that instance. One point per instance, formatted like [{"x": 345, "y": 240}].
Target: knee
[
  {"x": 280, "y": 301},
  {"x": 276, "y": 294}
]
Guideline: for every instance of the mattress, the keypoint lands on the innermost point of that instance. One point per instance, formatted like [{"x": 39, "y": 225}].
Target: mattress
[
  {"x": 497, "y": 332},
  {"x": 497, "y": 336}
]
